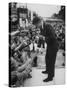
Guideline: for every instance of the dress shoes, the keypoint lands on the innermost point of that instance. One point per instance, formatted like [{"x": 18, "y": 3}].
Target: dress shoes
[{"x": 48, "y": 79}]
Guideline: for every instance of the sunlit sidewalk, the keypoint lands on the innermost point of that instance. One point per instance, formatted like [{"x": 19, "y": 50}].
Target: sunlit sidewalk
[{"x": 37, "y": 78}]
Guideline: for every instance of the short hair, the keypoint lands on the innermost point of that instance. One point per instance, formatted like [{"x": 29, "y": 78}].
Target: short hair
[{"x": 36, "y": 20}]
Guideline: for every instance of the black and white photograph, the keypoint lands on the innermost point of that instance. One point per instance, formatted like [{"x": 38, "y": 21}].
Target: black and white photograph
[{"x": 36, "y": 44}]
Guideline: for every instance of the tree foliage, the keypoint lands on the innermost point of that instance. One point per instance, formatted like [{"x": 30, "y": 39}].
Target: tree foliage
[{"x": 61, "y": 14}]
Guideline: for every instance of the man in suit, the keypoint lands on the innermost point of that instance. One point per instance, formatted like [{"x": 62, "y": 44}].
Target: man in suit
[{"x": 51, "y": 52}]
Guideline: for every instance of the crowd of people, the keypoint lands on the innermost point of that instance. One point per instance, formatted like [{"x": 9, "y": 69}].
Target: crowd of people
[
  {"x": 60, "y": 32},
  {"x": 20, "y": 59},
  {"x": 24, "y": 41}
]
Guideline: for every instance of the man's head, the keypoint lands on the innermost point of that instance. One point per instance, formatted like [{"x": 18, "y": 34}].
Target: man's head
[{"x": 37, "y": 22}]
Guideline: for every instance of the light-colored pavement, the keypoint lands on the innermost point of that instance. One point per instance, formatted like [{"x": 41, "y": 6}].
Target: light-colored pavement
[{"x": 37, "y": 78}]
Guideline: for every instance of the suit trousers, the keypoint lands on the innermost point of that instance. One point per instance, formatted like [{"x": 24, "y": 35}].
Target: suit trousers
[{"x": 50, "y": 62}]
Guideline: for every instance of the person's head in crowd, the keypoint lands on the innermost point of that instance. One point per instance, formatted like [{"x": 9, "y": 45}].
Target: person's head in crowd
[
  {"x": 16, "y": 39},
  {"x": 37, "y": 22},
  {"x": 21, "y": 39},
  {"x": 16, "y": 55}
]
